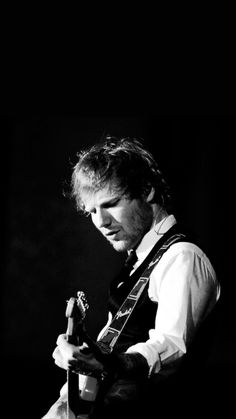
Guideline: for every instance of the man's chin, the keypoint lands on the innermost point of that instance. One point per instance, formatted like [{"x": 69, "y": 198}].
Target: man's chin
[{"x": 120, "y": 245}]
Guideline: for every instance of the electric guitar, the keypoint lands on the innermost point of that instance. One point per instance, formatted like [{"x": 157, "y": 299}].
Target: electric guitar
[{"x": 76, "y": 335}]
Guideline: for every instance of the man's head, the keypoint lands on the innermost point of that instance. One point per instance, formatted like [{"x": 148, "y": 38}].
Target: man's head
[{"x": 118, "y": 182}]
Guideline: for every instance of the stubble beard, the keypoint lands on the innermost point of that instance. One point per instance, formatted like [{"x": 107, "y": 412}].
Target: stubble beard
[{"x": 140, "y": 223}]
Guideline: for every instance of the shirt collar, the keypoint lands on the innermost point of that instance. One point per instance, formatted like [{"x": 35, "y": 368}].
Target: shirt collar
[{"x": 152, "y": 237}]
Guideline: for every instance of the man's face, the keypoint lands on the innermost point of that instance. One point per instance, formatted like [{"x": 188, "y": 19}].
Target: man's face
[{"x": 122, "y": 221}]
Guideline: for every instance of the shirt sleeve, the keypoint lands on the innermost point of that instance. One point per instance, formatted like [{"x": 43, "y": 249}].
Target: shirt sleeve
[{"x": 185, "y": 287}]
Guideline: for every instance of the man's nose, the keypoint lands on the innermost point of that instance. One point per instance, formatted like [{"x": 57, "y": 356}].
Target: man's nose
[{"x": 102, "y": 218}]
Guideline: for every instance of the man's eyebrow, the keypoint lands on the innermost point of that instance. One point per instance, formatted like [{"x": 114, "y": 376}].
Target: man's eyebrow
[
  {"x": 106, "y": 203},
  {"x": 110, "y": 201}
]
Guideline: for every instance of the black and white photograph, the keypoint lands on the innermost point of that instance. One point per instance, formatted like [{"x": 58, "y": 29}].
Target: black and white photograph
[{"x": 118, "y": 287}]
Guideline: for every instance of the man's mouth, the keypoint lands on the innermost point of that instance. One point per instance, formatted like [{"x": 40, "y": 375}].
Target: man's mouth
[{"x": 111, "y": 234}]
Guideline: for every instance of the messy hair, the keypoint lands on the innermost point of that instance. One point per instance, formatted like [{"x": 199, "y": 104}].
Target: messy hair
[{"x": 123, "y": 163}]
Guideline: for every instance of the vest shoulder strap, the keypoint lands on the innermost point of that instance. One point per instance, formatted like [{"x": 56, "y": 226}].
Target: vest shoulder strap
[{"x": 112, "y": 333}]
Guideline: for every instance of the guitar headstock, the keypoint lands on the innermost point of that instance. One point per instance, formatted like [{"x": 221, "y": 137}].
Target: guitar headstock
[
  {"x": 75, "y": 312},
  {"x": 77, "y": 307},
  {"x": 82, "y": 303}
]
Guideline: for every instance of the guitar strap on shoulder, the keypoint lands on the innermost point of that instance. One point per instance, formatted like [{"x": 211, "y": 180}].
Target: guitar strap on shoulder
[{"x": 110, "y": 336}]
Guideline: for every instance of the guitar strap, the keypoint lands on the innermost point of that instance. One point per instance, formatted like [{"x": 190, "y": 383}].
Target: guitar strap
[{"x": 110, "y": 336}]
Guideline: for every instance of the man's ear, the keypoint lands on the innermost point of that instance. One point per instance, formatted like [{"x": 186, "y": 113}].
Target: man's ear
[{"x": 150, "y": 195}]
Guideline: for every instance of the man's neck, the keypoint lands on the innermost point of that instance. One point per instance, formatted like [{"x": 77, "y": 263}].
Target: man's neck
[{"x": 159, "y": 214}]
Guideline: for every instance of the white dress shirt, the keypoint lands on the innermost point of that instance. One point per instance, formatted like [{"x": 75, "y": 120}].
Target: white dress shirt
[{"x": 184, "y": 285}]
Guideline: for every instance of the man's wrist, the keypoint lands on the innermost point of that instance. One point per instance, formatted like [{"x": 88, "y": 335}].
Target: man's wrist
[{"x": 128, "y": 365}]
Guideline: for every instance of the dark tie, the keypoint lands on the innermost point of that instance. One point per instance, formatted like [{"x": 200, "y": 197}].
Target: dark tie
[
  {"x": 124, "y": 274},
  {"x": 130, "y": 261}
]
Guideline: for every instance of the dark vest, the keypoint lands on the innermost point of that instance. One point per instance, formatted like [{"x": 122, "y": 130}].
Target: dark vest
[{"x": 143, "y": 317}]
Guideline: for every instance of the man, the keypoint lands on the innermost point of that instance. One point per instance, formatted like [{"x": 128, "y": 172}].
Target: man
[{"x": 119, "y": 184}]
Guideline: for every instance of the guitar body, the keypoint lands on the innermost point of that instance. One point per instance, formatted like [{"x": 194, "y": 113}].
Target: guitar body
[{"x": 89, "y": 388}]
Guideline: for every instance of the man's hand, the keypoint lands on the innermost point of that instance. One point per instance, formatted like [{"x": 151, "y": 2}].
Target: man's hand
[{"x": 77, "y": 358}]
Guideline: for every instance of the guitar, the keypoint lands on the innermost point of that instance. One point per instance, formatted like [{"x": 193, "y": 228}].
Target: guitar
[{"x": 76, "y": 335}]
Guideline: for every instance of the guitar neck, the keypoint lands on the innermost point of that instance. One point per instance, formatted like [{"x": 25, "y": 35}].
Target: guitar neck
[
  {"x": 75, "y": 313},
  {"x": 72, "y": 378},
  {"x": 73, "y": 392}
]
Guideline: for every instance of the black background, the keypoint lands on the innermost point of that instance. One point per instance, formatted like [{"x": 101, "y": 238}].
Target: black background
[{"x": 50, "y": 251}]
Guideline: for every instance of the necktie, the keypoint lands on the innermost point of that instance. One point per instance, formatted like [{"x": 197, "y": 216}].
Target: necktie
[
  {"x": 130, "y": 261},
  {"x": 124, "y": 274}
]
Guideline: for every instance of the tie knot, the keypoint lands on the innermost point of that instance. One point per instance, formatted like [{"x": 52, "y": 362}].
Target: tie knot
[{"x": 131, "y": 259}]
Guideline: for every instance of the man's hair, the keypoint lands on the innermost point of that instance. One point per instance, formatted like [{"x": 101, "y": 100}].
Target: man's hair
[{"x": 123, "y": 163}]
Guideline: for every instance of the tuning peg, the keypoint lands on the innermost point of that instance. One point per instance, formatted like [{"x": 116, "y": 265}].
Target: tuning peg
[{"x": 82, "y": 298}]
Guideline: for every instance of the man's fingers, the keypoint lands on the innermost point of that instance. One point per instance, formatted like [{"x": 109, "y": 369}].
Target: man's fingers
[{"x": 61, "y": 340}]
